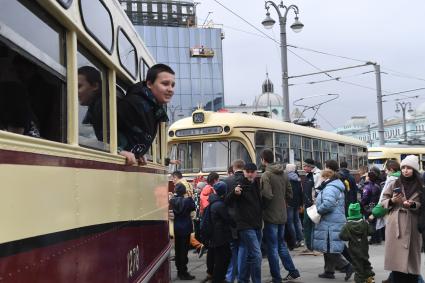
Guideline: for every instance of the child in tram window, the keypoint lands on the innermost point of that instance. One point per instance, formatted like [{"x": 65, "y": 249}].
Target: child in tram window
[
  {"x": 356, "y": 232},
  {"x": 182, "y": 207}
]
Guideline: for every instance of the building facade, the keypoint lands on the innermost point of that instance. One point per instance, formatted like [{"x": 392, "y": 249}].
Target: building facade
[
  {"x": 169, "y": 30},
  {"x": 359, "y": 127}
]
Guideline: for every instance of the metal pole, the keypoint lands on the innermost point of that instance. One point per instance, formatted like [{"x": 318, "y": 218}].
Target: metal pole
[
  {"x": 284, "y": 62},
  {"x": 403, "y": 108},
  {"x": 379, "y": 103}
]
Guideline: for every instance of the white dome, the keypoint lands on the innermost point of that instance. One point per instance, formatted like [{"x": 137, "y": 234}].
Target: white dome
[
  {"x": 268, "y": 99},
  {"x": 357, "y": 122}
]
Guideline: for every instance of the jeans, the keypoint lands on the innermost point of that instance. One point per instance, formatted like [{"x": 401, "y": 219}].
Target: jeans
[
  {"x": 249, "y": 247},
  {"x": 276, "y": 247},
  {"x": 232, "y": 270},
  {"x": 295, "y": 229}
]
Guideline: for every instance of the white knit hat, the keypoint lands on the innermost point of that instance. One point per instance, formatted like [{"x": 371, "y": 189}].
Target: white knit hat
[
  {"x": 411, "y": 161},
  {"x": 290, "y": 167}
]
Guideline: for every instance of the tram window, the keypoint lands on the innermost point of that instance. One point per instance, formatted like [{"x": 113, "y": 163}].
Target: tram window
[
  {"x": 263, "y": 140},
  {"x": 307, "y": 153},
  {"x": 334, "y": 151},
  {"x": 25, "y": 23},
  {"x": 282, "y": 147},
  {"x": 127, "y": 53},
  {"x": 355, "y": 158},
  {"x": 33, "y": 100},
  {"x": 317, "y": 151},
  {"x": 189, "y": 155},
  {"x": 296, "y": 147},
  {"x": 65, "y": 3},
  {"x": 98, "y": 22},
  {"x": 93, "y": 97},
  {"x": 238, "y": 151},
  {"x": 214, "y": 156}
]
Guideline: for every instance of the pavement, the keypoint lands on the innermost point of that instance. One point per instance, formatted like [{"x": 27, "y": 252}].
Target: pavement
[{"x": 308, "y": 265}]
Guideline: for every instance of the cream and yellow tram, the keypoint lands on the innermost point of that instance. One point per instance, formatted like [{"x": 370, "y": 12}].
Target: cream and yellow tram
[
  {"x": 210, "y": 141},
  {"x": 378, "y": 156},
  {"x": 71, "y": 211}
]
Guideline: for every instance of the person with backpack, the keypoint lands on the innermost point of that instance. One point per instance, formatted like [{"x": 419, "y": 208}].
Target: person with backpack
[
  {"x": 182, "y": 207},
  {"x": 248, "y": 217},
  {"x": 141, "y": 110},
  {"x": 350, "y": 185},
  {"x": 370, "y": 198},
  {"x": 216, "y": 231}
]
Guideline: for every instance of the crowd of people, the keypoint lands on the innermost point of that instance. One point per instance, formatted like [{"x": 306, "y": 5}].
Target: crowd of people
[{"x": 243, "y": 218}]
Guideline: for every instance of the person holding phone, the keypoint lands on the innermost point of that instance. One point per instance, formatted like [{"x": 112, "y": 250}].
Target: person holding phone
[{"x": 403, "y": 241}]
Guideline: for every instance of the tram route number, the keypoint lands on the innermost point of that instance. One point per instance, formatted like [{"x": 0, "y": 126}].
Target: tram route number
[{"x": 133, "y": 261}]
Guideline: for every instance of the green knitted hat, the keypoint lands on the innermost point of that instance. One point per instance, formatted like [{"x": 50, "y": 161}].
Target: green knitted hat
[{"x": 354, "y": 212}]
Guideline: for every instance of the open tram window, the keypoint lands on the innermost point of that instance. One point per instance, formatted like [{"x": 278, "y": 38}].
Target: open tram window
[
  {"x": 32, "y": 79},
  {"x": 93, "y": 98}
]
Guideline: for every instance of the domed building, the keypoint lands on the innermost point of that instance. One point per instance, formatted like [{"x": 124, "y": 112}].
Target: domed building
[{"x": 267, "y": 102}]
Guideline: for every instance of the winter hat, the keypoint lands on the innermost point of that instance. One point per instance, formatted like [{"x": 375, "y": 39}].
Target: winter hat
[
  {"x": 201, "y": 185},
  {"x": 180, "y": 189},
  {"x": 290, "y": 167},
  {"x": 220, "y": 188},
  {"x": 411, "y": 161},
  {"x": 354, "y": 212}
]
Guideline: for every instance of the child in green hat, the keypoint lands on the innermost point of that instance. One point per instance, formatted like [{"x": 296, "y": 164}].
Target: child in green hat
[{"x": 356, "y": 231}]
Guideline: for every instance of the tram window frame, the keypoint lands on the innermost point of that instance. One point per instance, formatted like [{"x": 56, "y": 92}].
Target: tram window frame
[
  {"x": 334, "y": 151},
  {"x": 89, "y": 58},
  {"x": 307, "y": 144},
  {"x": 281, "y": 147},
  {"x": 93, "y": 33},
  {"x": 241, "y": 154},
  {"x": 260, "y": 147},
  {"x": 317, "y": 151},
  {"x": 349, "y": 156},
  {"x": 354, "y": 154},
  {"x": 136, "y": 62},
  {"x": 65, "y": 3}
]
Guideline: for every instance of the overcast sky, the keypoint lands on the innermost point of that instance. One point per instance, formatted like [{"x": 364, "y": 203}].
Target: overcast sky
[{"x": 388, "y": 32}]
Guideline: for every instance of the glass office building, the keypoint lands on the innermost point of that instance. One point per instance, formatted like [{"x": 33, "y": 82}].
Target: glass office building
[{"x": 195, "y": 54}]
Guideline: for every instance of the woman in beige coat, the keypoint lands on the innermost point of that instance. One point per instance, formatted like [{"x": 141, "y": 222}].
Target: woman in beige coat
[{"x": 403, "y": 242}]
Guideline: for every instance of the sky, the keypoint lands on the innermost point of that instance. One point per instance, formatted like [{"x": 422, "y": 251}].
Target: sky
[{"x": 388, "y": 32}]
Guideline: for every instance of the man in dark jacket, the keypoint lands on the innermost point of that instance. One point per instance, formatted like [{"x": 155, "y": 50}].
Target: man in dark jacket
[
  {"x": 275, "y": 191},
  {"x": 221, "y": 236},
  {"x": 311, "y": 181},
  {"x": 183, "y": 227},
  {"x": 351, "y": 194},
  {"x": 142, "y": 110},
  {"x": 246, "y": 199},
  {"x": 238, "y": 255}
]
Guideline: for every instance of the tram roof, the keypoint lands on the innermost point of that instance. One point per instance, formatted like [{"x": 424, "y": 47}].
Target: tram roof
[{"x": 242, "y": 120}]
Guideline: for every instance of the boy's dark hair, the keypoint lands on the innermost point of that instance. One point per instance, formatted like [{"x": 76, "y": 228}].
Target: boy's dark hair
[
  {"x": 373, "y": 177},
  {"x": 155, "y": 70},
  {"x": 332, "y": 164},
  {"x": 343, "y": 164},
  {"x": 92, "y": 75},
  {"x": 392, "y": 165},
  {"x": 212, "y": 177},
  {"x": 177, "y": 174},
  {"x": 267, "y": 155}
]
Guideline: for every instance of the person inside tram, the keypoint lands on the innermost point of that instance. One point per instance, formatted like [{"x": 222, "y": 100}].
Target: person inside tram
[
  {"x": 90, "y": 94},
  {"x": 16, "y": 115},
  {"x": 142, "y": 110}
]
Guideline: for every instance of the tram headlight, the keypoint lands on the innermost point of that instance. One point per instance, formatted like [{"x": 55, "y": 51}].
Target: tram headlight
[
  {"x": 171, "y": 134},
  {"x": 226, "y": 129},
  {"x": 198, "y": 118}
]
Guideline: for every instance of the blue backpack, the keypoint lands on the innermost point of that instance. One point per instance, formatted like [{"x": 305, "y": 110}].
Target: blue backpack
[{"x": 207, "y": 228}]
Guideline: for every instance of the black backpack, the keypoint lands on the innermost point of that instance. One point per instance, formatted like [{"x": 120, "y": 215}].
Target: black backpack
[{"x": 207, "y": 228}]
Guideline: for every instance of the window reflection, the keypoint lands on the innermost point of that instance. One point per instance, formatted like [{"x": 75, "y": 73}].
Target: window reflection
[
  {"x": 239, "y": 151},
  {"x": 189, "y": 155},
  {"x": 98, "y": 22},
  {"x": 127, "y": 53},
  {"x": 215, "y": 157}
]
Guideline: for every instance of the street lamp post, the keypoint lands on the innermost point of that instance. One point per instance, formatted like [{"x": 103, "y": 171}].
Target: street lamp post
[
  {"x": 297, "y": 26},
  {"x": 403, "y": 106}
]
